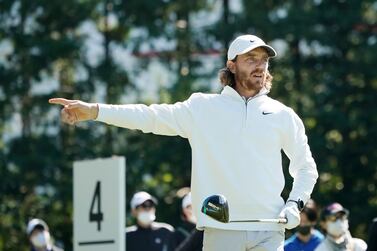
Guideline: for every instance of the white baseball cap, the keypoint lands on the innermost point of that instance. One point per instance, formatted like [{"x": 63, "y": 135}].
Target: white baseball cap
[
  {"x": 33, "y": 223},
  {"x": 141, "y": 197},
  {"x": 245, "y": 43},
  {"x": 186, "y": 201}
]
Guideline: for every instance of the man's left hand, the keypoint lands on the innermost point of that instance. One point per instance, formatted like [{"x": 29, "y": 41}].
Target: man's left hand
[{"x": 292, "y": 214}]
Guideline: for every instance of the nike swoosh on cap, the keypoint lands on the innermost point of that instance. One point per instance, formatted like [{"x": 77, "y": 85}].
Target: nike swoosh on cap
[{"x": 266, "y": 113}]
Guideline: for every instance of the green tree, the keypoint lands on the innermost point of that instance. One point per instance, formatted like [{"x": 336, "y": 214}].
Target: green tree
[{"x": 43, "y": 39}]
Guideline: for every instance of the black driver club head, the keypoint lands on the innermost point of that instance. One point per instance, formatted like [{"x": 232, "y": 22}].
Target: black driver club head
[{"x": 216, "y": 207}]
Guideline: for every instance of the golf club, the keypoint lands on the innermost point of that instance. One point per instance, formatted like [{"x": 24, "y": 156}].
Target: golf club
[{"x": 216, "y": 207}]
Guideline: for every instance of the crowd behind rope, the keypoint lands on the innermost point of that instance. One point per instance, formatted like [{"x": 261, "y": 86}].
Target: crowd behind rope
[{"x": 325, "y": 230}]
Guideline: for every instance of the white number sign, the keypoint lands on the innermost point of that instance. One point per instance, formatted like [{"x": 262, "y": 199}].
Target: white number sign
[{"x": 99, "y": 204}]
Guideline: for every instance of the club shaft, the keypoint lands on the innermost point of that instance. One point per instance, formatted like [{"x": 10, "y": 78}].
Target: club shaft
[{"x": 283, "y": 221}]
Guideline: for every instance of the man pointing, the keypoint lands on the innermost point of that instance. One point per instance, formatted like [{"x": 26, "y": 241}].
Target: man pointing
[{"x": 236, "y": 139}]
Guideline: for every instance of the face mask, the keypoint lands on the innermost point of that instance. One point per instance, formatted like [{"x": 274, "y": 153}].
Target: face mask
[
  {"x": 337, "y": 228},
  {"x": 41, "y": 239},
  {"x": 146, "y": 218},
  {"x": 192, "y": 219},
  {"x": 304, "y": 230}
]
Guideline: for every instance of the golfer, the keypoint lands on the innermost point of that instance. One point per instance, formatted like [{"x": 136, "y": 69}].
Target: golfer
[{"x": 236, "y": 139}]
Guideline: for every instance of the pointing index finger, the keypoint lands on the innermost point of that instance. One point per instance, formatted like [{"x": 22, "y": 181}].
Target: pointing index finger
[{"x": 59, "y": 101}]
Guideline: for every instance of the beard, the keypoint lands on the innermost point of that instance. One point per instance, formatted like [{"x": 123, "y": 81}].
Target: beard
[{"x": 254, "y": 81}]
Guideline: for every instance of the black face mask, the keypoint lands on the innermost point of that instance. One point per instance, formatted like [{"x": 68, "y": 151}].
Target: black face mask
[{"x": 304, "y": 230}]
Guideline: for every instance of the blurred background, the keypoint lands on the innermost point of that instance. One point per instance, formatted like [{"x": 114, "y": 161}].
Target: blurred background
[{"x": 143, "y": 51}]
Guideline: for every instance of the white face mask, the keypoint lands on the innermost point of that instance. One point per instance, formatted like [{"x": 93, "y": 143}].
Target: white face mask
[
  {"x": 41, "y": 239},
  {"x": 337, "y": 228},
  {"x": 146, "y": 217},
  {"x": 192, "y": 219},
  {"x": 189, "y": 215}
]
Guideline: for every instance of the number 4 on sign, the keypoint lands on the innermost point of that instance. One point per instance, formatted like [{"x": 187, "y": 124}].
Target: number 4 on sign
[{"x": 96, "y": 217}]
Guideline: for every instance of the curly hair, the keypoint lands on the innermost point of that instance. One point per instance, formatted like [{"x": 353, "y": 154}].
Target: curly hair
[{"x": 227, "y": 78}]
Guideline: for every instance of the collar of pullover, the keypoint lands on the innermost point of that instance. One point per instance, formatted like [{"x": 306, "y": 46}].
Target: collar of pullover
[{"x": 229, "y": 91}]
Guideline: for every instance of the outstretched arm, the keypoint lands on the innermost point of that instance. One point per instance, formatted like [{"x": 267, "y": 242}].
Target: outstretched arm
[
  {"x": 162, "y": 119},
  {"x": 75, "y": 110}
]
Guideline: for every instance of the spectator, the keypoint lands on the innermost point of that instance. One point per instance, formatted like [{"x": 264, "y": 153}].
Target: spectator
[
  {"x": 372, "y": 240},
  {"x": 306, "y": 238},
  {"x": 334, "y": 222},
  {"x": 188, "y": 222},
  {"x": 188, "y": 237},
  {"x": 39, "y": 236},
  {"x": 148, "y": 235},
  {"x": 192, "y": 243}
]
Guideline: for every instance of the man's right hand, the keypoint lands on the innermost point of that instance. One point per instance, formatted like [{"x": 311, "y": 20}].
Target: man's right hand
[{"x": 75, "y": 110}]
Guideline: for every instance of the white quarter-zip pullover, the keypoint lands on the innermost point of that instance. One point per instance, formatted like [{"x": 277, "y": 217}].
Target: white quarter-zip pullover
[{"x": 236, "y": 150}]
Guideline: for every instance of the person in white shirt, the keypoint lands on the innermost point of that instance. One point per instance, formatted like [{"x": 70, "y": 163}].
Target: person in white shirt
[
  {"x": 236, "y": 139},
  {"x": 334, "y": 222}
]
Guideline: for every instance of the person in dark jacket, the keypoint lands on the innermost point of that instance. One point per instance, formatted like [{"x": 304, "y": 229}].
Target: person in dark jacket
[
  {"x": 187, "y": 236},
  {"x": 148, "y": 235},
  {"x": 192, "y": 243},
  {"x": 372, "y": 240},
  {"x": 39, "y": 236},
  {"x": 188, "y": 222}
]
